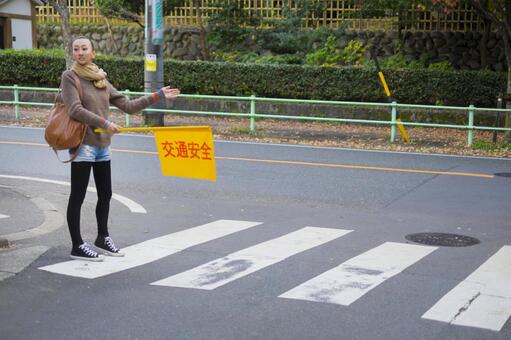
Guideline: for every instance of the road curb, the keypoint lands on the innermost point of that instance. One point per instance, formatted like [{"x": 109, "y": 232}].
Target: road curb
[{"x": 53, "y": 220}]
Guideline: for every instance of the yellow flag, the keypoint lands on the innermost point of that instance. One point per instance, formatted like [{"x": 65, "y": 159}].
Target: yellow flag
[{"x": 186, "y": 151}]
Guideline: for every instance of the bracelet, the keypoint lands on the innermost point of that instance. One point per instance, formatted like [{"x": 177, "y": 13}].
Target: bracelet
[
  {"x": 161, "y": 94},
  {"x": 157, "y": 96},
  {"x": 107, "y": 124}
]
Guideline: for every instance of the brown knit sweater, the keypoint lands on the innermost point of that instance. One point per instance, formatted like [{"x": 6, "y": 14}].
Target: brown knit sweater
[{"x": 93, "y": 107}]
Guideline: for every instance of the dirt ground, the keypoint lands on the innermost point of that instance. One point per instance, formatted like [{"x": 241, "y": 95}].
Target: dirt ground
[{"x": 423, "y": 140}]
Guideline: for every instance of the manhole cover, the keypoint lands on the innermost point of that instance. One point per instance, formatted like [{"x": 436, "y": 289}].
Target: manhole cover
[{"x": 442, "y": 239}]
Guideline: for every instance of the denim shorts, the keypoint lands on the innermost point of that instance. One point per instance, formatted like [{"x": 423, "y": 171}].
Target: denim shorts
[{"x": 90, "y": 153}]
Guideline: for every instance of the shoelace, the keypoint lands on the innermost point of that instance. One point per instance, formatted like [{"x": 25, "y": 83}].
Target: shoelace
[
  {"x": 88, "y": 251},
  {"x": 110, "y": 244}
]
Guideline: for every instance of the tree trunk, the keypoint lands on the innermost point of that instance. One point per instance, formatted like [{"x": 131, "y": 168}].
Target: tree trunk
[
  {"x": 61, "y": 7},
  {"x": 67, "y": 38},
  {"x": 483, "y": 49},
  {"x": 202, "y": 31},
  {"x": 400, "y": 26},
  {"x": 114, "y": 44}
]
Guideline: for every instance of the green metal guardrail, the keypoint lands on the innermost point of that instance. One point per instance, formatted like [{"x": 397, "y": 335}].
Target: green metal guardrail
[{"x": 252, "y": 115}]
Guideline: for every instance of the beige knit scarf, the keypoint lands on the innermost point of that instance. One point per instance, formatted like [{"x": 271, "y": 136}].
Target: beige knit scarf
[{"x": 91, "y": 72}]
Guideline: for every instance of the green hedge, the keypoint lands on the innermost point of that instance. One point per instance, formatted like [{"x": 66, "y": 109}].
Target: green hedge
[{"x": 480, "y": 88}]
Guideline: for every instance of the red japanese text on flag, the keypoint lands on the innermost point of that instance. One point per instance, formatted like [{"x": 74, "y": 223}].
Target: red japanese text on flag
[{"x": 186, "y": 152}]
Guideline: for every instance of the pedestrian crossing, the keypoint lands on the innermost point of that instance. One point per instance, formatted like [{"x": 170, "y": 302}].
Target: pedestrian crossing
[
  {"x": 482, "y": 300},
  {"x": 349, "y": 281},
  {"x": 151, "y": 250},
  {"x": 234, "y": 266}
]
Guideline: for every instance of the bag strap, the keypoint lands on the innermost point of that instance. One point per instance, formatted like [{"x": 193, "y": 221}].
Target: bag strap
[
  {"x": 80, "y": 94},
  {"x": 78, "y": 84},
  {"x": 76, "y": 153},
  {"x": 78, "y": 87}
]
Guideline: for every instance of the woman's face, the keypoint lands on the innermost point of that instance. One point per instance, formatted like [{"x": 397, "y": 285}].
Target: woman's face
[{"x": 83, "y": 53}]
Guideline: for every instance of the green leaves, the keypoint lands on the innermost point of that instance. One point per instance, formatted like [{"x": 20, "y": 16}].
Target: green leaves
[
  {"x": 330, "y": 55},
  {"x": 131, "y": 10},
  {"x": 361, "y": 84}
]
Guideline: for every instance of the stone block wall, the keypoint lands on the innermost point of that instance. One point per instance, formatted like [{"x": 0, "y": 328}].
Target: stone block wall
[
  {"x": 180, "y": 43},
  {"x": 463, "y": 50}
]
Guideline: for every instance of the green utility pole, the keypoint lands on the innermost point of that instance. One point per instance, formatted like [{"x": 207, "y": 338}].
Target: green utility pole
[{"x": 153, "y": 72}]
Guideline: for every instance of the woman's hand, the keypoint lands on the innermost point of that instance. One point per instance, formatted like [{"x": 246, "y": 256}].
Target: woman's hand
[
  {"x": 170, "y": 93},
  {"x": 113, "y": 128}
]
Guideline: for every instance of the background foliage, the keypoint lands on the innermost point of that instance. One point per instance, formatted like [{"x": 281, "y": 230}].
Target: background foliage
[{"x": 422, "y": 86}]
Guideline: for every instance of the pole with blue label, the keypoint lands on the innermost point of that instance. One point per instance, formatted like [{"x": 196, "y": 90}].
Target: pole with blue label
[
  {"x": 153, "y": 66},
  {"x": 157, "y": 22}
]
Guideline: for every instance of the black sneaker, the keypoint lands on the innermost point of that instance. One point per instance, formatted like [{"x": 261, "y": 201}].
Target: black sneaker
[
  {"x": 106, "y": 246},
  {"x": 85, "y": 252}
]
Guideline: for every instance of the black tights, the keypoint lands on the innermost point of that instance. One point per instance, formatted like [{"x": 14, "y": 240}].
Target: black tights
[{"x": 80, "y": 173}]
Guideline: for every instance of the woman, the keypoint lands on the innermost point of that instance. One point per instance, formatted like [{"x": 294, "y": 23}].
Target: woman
[{"x": 90, "y": 105}]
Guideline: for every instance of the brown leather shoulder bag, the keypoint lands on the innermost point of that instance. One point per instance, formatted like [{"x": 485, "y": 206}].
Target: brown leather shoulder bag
[{"x": 63, "y": 132}]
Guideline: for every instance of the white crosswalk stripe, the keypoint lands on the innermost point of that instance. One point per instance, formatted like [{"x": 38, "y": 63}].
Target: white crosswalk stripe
[
  {"x": 483, "y": 299},
  {"x": 151, "y": 250},
  {"x": 352, "y": 279},
  {"x": 3, "y": 216},
  {"x": 239, "y": 264}
]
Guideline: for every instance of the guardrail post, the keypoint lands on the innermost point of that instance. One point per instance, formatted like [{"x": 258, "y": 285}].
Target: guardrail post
[
  {"x": 394, "y": 122},
  {"x": 127, "y": 116},
  {"x": 16, "y": 102},
  {"x": 470, "y": 124},
  {"x": 252, "y": 112}
]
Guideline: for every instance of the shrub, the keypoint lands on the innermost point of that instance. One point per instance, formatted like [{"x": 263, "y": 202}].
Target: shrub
[
  {"x": 441, "y": 65},
  {"x": 289, "y": 59},
  {"x": 400, "y": 61},
  {"x": 330, "y": 55},
  {"x": 230, "y": 26},
  {"x": 252, "y": 57},
  {"x": 423, "y": 86},
  {"x": 353, "y": 53},
  {"x": 31, "y": 67}
]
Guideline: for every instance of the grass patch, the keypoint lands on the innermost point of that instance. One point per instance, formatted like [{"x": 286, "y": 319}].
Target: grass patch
[{"x": 489, "y": 146}]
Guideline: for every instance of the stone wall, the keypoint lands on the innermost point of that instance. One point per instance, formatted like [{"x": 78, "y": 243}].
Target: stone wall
[
  {"x": 180, "y": 43},
  {"x": 461, "y": 49}
]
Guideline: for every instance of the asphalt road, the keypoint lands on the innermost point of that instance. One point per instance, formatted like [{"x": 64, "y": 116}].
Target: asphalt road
[{"x": 289, "y": 243}]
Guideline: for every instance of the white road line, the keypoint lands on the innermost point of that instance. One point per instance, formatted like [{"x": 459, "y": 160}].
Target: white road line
[
  {"x": 236, "y": 265},
  {"x": 352, "y": 279},
  {"x": 3, "y": 216},
  {"x": 133, "y": 206},
  {"x": 150, "y": 250},
  {"x": 482, "y": 300}
]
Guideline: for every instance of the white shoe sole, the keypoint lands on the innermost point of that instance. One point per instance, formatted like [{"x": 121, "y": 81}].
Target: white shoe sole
[
  {"x": 108, "y": 253},
  {"x": 100, "y": 258}
]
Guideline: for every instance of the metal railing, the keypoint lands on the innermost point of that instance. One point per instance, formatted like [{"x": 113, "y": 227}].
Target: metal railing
[{"x": 252, "y": 114}]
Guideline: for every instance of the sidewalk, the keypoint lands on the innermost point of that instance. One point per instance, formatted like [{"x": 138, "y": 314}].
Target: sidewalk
[
  {"x": 18, "y": 225},
  {"x": 29, "y": 216}
]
